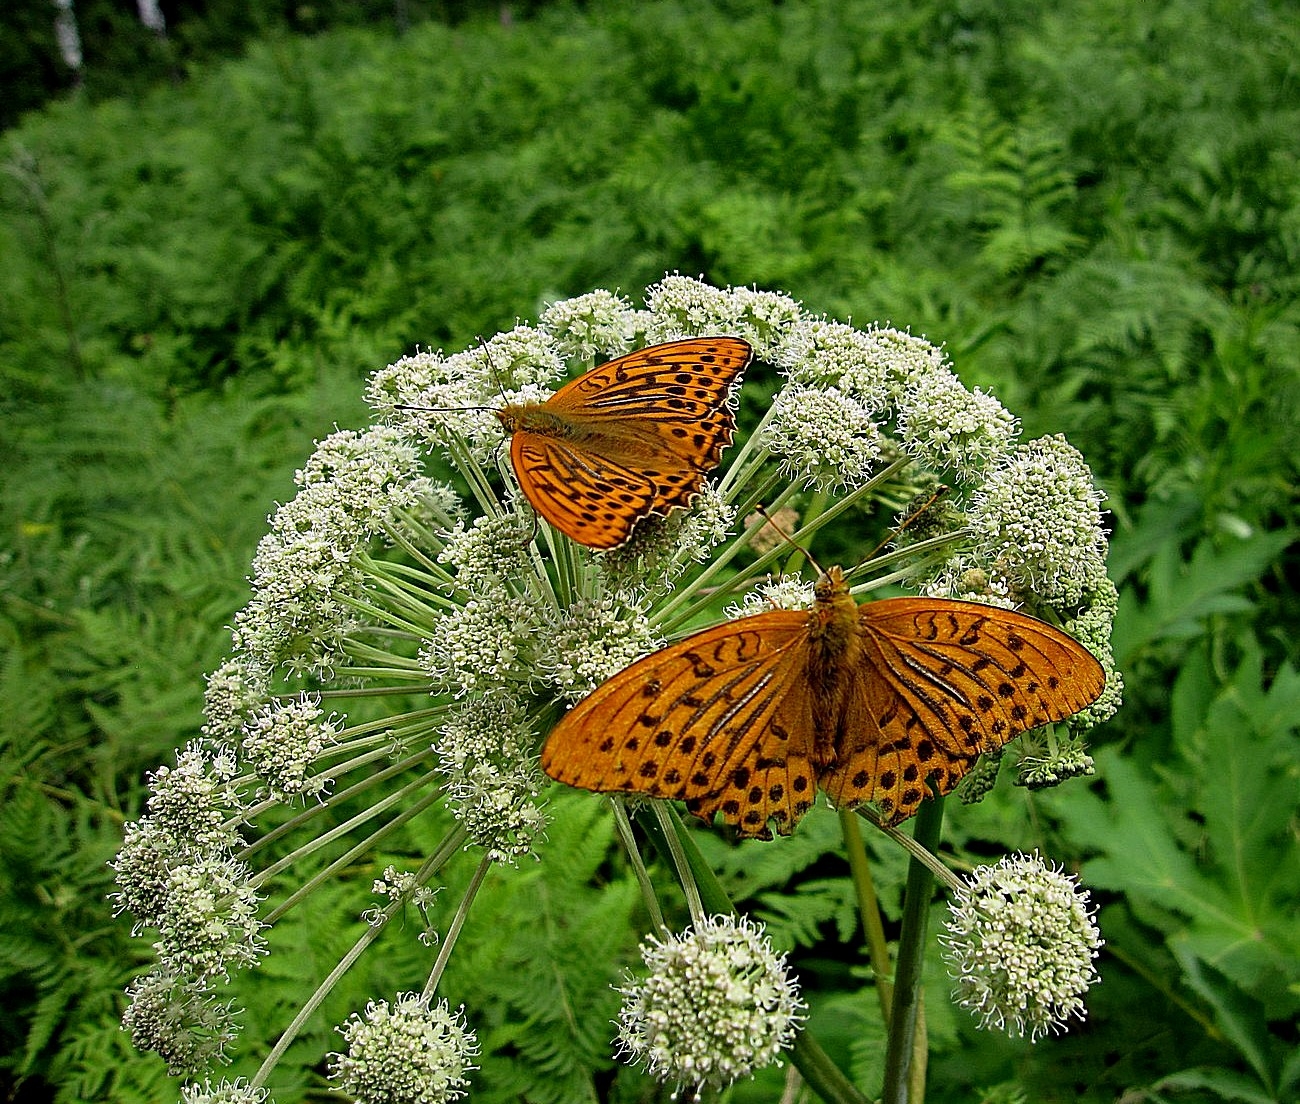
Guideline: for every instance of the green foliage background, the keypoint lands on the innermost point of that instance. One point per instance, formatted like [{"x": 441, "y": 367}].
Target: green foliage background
[{"x": 1097, "y": 209}]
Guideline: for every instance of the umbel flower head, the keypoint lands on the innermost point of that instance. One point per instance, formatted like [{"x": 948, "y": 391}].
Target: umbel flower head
[
  {"x": 409, "y": 1052},
  {"x": 237, "y": 1091},
  {"x": 414, "y": 631},
  {"x": 1020, "y": 945},
  {"x": 716, "y": 1004}
]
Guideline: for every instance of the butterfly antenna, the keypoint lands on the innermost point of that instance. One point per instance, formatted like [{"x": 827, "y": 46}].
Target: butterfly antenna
[
  {"x": 762, "y": 512},
  {"x": 914, "y": 515},
  {"x": 496, "y": 376},
  {"x": 441, "y": 409}
]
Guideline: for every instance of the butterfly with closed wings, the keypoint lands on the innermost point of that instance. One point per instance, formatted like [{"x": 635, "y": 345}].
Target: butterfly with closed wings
[{"x": 870, "y": 703}]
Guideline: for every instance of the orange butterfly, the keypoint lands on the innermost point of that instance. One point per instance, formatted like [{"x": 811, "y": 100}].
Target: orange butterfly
[
  {"x": 630, "y": 438},
  {"x": 868, "y": 702}
]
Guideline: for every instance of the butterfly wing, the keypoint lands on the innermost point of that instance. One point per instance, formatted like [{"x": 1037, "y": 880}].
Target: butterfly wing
[
  {"x": 721, "y": 720},
  {"x": 632, "y": 437},
  {"x": 677, "y": 391},
  {"x": 663, "y": 409},
  {"x": 593, "y": 499},
  {"x": 939, "y": 682}
]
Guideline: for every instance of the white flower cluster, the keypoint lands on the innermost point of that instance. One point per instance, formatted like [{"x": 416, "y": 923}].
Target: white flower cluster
[
  {"x": 482, "y": 623},
  {"x": 282, "y": 741},
  {"x": 478, "y": 645},
  {"x": 181, "y": 1020},
  {"x": 177, "y": 872},
  {"x": 1050, "y": 762},
  {"x": 1020, "y": 945},
  {"x": 717, "y": 1004},
  {"x": 824, "y": 438},
  {"x": 489, "y": 549},
  {"x": 234, "y": 691},
  {"x": 498, "y": 803},
  {"x": 949, "y": 427},
  {"x": 451, "y": 399},
  {"x": 599, "y": 324},
  {"x": 1037, "y": 519},
  {"x": 305, "y": 573},
  {"x": 410, "y": 1051},
  {"x": 589, "y": 641},
  {"x": 493, "y": 784},
  {"x": 238, "y": 1091},
  {"x": 789, "y": 592},
  {"x": 680, "y": 306}
]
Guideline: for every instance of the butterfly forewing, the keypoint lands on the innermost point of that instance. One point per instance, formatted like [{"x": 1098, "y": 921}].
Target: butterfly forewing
[
  {"x": 940, "y": 682},
  {"x": 630, "y": 438},
  {"x": 679, "y": 380},
  {"x": 695, "y": 721}
]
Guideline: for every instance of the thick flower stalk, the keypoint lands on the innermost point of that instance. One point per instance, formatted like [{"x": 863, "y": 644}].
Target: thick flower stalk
[{"x": 415, "y": 630}]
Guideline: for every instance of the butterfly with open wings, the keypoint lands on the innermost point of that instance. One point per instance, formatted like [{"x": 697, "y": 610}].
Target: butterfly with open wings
[
  {"x": 632, "y": 437},
  {"x": 871, "y": 703}
]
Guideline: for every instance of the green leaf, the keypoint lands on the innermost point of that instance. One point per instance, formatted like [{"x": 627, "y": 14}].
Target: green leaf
[
  {"x": 1238, "y": 1016},
  {"x": 1181, "y": 595},
  {"x": 1225, "y": 1084}
]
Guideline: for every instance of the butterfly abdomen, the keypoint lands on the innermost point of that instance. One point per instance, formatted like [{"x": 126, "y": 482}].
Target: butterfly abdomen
[{"x": 835, "y": 649}]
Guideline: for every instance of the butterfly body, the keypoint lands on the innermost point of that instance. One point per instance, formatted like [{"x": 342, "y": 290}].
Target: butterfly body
[
  {"x": 869, "y": 703},
  {"x": 632, "y": 437}
]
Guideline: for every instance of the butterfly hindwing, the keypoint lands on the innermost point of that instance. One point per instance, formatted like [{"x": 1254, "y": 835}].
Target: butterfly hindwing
[
  {"x": 581, "y": 492},
  {"x": 938, "y": 683}
]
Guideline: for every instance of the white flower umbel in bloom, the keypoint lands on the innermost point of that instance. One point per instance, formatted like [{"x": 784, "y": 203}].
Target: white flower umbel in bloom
[
  {"x": 823, "y": 438},
  {"x": 716, "y": 1004},
  {"x": 238, "y": 1091},
  {"x": 788, "y": 592},
  {"x": 598, "y": 324},
  {"x": 590, "y": 641},
  {"x": 282, "y": 741},
  {"x": 234, "y": 690},
  {"x": 1020, "y": 945},
  {"x": 409, "y": 1052},
  {"x": 182, "y": 1021},
  {"x": 1038, "y": 522},
  {"x": 415, "y": 630},
  {"x": 949, "y": 427},
  {"x": 306, "y": 576}
]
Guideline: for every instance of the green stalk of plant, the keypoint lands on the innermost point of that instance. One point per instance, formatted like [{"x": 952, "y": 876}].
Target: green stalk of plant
[{"x": 901, "y": 1055}]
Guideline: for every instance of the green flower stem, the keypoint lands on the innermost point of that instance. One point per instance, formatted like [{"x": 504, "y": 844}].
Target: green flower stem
[
  {"x": 367, "y": 846},
  {"x": 869, "y": 909},
  {"x": 313, "y": 811},
  {"x": 916, "y": 558},
  {"x": 822, "y": 1075},
  {"x": 673, "y": 836},
  {"x": 401, "y": 539},
  {"x": 668, "y": 615},
  {"x": 900, "y": 1053},
  {"x": 912, "y": 847},
  {"x": 458, "y": 922},
  {"x": 624, "y": 825},
  {"x": 449, "y": 847}
]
